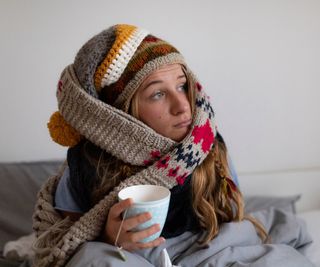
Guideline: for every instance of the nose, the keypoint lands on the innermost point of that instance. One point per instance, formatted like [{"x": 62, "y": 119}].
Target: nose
[{"x": 179, "y": 104}]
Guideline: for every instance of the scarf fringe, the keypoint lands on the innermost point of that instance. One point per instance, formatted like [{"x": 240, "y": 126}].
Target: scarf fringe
[{"x": 59, "y": 238}]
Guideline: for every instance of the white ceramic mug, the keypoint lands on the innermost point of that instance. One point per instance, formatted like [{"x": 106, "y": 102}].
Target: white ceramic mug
[{"x": 147, "y": 198}]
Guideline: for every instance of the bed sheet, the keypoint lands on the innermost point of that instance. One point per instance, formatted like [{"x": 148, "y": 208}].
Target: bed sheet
[{"x": 312, "y": 219}]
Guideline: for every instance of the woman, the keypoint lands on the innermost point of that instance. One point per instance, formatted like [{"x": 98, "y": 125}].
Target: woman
[{"x": 132, "y": 112}]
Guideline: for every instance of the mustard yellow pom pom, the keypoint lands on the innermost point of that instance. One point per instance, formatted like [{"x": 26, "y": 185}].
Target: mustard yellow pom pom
[{"x": 61, "y": 132}]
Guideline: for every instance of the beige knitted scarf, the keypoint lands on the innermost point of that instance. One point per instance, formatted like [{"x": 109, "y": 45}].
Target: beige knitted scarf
[{"x": 167, "y": 164}]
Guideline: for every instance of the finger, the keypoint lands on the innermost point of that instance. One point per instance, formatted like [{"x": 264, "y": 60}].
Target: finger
[
  {"x": 120, "y": 207},
  {"x": 134, "y": 221},
  {"x": 154, "y": 243},
  {"x": 138, "y": 236}
]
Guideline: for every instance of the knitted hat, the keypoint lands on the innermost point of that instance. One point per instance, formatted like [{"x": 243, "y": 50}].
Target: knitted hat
[{"x": 110, "y": 67}]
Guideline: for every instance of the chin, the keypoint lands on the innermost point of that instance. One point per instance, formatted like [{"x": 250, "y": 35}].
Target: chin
[{"x": 179, "y": 138}]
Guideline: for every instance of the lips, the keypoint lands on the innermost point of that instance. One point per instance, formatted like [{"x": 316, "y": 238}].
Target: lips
[{"x": 183, "y": 124}]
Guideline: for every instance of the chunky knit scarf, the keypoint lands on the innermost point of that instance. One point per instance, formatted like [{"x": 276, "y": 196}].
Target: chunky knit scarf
[{"x": 167, "y": 163}]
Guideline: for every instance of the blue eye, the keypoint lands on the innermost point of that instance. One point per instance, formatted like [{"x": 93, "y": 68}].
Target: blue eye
[
  {"x": 183, "y": 87},
  {"x": 157, "y": 95}
]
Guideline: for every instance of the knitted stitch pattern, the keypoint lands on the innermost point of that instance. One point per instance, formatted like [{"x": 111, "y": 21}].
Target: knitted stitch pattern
[
  {"x": 106, "y": 126},
  {"x": 168, "y": 164},
  {"x": 110, "y": 67}
]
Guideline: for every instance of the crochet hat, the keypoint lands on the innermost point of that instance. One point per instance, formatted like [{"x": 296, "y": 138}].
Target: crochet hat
[{"x": 110, "y": 68}]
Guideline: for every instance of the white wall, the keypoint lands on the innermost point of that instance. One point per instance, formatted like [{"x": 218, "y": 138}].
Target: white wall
[{"x": 259, "y": 61}]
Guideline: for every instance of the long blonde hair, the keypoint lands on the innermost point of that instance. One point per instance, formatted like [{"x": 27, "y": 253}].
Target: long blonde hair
[{"x": 211, "y": 203}]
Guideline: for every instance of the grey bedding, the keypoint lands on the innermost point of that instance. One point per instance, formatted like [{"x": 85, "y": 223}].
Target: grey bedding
[
  {"x": 21, "y": 181},
  {"x": 236, "y": 245}
]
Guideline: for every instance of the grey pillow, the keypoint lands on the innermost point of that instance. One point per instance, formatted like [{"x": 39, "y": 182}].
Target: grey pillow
[
  {"x": 256, "y": 203},
  {"x": 20, "y": 183}
]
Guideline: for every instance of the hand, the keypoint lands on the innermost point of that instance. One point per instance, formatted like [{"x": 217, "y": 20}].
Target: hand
[{"x": 127, "y": 239}]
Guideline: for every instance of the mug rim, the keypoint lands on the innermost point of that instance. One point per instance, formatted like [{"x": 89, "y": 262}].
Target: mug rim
[{"x": 146, "y": 203}]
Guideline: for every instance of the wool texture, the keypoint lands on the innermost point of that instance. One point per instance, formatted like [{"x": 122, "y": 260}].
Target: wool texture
[
  {"x": 110, "y": 67},
  {"x": 102, "y": 118},
  {"x": 166, "y": 168}
]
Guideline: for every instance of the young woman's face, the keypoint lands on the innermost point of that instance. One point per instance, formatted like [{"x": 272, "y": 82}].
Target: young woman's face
[{"x": 163, "y": 103}]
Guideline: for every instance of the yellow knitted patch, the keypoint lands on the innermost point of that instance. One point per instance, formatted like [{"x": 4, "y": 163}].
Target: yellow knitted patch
[
  {"x": 61, "y": 132},
  {"x": 123, "y": 33}
]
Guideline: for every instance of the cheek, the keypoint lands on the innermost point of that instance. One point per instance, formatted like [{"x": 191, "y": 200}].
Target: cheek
[{"x": 153, "y": 117}]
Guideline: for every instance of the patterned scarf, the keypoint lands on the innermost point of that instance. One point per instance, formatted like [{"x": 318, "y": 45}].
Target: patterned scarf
[{"x": 167, "y": 163}]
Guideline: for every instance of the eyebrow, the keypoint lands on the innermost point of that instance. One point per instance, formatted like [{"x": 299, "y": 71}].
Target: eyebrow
[{"x": 160, "y": 81}]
